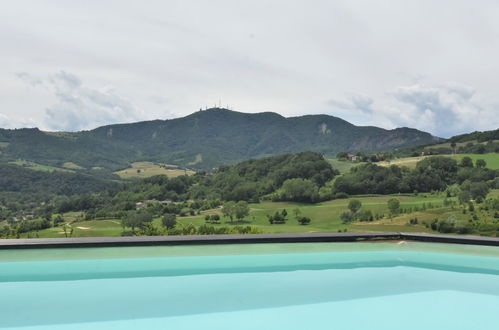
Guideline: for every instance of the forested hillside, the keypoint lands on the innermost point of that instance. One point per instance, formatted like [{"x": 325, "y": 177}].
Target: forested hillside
[
  {"x": 19, "y": 186},
  {"x": 202, "y": 140}
]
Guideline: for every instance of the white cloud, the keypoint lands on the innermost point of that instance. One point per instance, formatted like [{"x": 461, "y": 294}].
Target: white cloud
[
  {"x": 79, "y": 107},
  {"x": 357, "y": 102},
  {"x": 173, "y": 57},
  {"x": 447, "y": 109},
  {"x": 4, "y": 121}
]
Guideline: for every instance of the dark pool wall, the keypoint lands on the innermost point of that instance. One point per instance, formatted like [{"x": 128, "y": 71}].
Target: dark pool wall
[{"x": 240, "y": 239}]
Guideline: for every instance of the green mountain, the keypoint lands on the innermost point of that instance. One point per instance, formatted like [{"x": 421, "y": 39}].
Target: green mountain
[{"x": 203, "y": 140}]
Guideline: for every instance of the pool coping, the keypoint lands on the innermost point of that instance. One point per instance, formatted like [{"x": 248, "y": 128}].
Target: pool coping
[{"x": 81, "y": 242}]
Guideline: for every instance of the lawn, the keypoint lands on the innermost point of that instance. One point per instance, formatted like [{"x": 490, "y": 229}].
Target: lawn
[
  {"x": 325, "y": 217},
  {"x": 93, "y": 228}
]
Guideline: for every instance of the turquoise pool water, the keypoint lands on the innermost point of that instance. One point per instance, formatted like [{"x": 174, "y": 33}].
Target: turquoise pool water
[{"x": 264, "y": 286}]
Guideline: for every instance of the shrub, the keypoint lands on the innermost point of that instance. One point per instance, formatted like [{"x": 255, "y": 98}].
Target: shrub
[
  {"x": 346, "y": 217},
  {"x": 304, "y": 220},
  {"x": 169, "y": 221},
  {"x": 366, "y": 215}
]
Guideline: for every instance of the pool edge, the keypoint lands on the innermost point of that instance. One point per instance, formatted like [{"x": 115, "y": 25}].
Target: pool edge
[{"x": 80, "y": 242}]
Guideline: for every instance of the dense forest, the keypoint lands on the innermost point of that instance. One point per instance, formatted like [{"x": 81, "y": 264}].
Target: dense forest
[
  {"x": 431, "y": 174},
  {"x": 27, "y": 184}
]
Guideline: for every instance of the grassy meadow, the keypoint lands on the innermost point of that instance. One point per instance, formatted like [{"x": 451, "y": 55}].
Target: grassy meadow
[
  {"x": 148, "y": 169},
  {"x": 343, "y": 166},
  {"x": 39, "y": 167},
  {"x": 492, "y": 160},
  {"x": 325, "y": 217}
]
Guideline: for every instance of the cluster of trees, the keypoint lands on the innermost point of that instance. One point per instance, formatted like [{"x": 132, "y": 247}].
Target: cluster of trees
[
  {"x": 238, "y": 210},
  {"x": 281, "y": 217},
  {"x": 251, "y": 180},
  {"x": 356, "y": 212},
  {"x": 474, "y": 212},
  {"x": 213, "y": 218},
  {"x": 278, "y": 217},
  {"x": 431, "y": 174}
]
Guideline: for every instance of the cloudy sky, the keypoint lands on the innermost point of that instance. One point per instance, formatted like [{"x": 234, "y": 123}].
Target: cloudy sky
[{"x": 72, "y": 65}]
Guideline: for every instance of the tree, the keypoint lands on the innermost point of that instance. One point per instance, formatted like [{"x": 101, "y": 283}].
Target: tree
[
  {"x": 304, "y": 220},
  {"x": 473, "y": 190},
  {"x": 354, "y": 205},
  {"x": 241, "y": 210},
  {"x": 480, "y": 163},
  {"x": 466, "y": 162},
  {"x": 300, "y": 190},
  {"x": 464, "y": 196},
  {"x": 479, "y": 190},
  {"x": 342, "y": 155},
  {"x": 169, "y": 221},
  {"x": 346, "y": 217},
  {"x": 364, "y": 215},
  {"x": 137, "y": 219},
  {"x": 284, "y": 213},
  {"x": 229, "y": 210},
  {"x": 394, "y": 205},
  {"x": 297, "y": 213},
  {"x": 276, "y": 218}
]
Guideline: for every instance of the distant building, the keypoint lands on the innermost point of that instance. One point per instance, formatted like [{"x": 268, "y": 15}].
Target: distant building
[
  {"x": 352, "y": 158},
  {"x": 141, "y": 205}
]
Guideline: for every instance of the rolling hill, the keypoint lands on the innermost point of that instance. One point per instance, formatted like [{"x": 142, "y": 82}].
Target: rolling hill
[{"x": 202, "y": 140}]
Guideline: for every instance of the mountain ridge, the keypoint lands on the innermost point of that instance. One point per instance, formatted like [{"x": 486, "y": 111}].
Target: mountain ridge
[{"x": 204, "y": 140}]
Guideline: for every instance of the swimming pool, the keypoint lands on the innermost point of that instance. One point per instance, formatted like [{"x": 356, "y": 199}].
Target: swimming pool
[{"x": 252, "y": 286}]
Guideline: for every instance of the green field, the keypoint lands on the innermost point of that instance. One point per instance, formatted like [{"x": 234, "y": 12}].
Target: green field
[
  {"x": 409, "y": 162},
  {"x": 325, "y": 217},
  {"x": 343, "y": 166},
  {"x": 148, "y": 169},
  {"x": 491, "y": 159}
]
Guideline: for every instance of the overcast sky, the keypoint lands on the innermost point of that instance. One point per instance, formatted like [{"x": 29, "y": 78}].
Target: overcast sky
[{"x": 72, "y": 65}]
